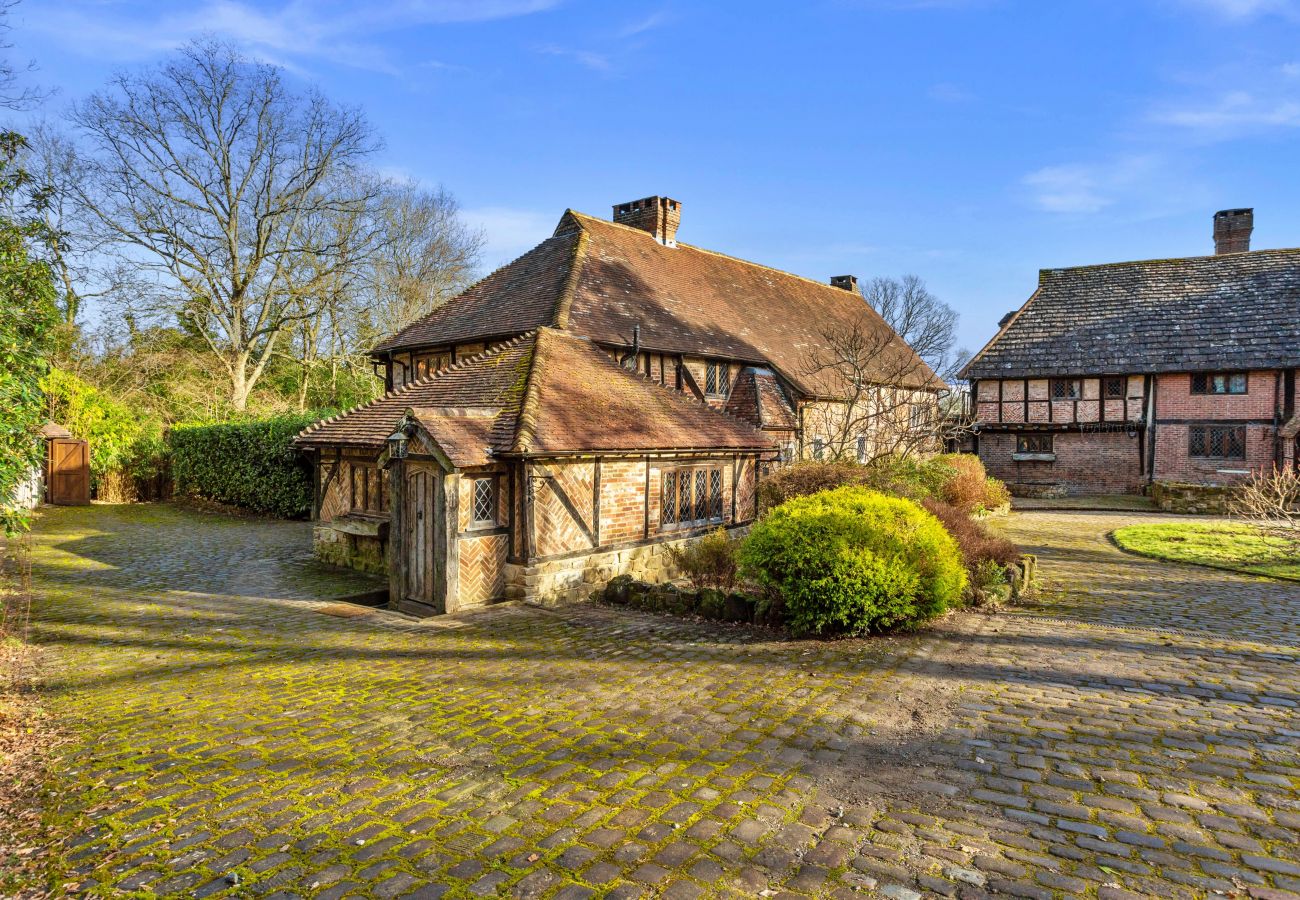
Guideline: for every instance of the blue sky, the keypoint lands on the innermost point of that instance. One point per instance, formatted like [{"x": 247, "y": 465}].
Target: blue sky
[{"x": 971, "y": 142}]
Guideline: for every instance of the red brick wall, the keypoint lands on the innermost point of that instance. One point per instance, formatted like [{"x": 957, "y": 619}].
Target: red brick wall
[
  {"x": 622, "y": 501},
  {"x": 1173, "y": 463},
  {"x": 1105, "y": 463},
  {"x": 1175, "y": 400}
]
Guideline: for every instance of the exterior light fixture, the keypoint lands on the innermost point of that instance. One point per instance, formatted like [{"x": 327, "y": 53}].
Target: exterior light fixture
[{"x": 400, "y": 440}]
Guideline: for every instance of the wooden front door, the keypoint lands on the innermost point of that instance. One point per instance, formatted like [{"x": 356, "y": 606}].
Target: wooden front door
[
  {"x": 419, "y": 527},
  {"x": 68, "y": 471}
]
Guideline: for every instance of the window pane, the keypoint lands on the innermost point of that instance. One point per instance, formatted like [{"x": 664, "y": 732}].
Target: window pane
[
  {"x": 724, "y": 379},
  {"x": 670, "y": 497},
  {"x": 1196, "y": 442},
  {"x": 684, "y": 496},
  {"x": 1237, "y": 383},
  {"x": 484, "y": 510},
  {"x": 715, "y": 493},
  {"x": 711, "y": 378},
  {"x": 1200, "y": 384},
  {"x": 701, "y": 494}
]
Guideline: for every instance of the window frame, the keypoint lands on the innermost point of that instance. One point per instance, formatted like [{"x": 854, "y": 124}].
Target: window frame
[
  {"x": 373, "y": 484},
  {"x": 684, "y": 483},
  {"x": 1205, "y": 435},
  {"x": 1206, "y": 387},
  {"x": 474, "y": 520},
  {"x": 1025, "y": 442},
  {"x": 719, "y": 373},
  {"x": 1111, "y": 380},
  {"x": 1076, "y": 389}
]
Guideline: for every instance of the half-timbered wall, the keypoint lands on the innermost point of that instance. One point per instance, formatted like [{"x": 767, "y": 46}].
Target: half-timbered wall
[{"x": 1032, "y": 400}]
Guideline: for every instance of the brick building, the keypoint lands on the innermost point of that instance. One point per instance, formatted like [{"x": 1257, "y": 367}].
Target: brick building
[
  {"x": 1113, "y": 376},
  {"x": 609, "y": 394}
]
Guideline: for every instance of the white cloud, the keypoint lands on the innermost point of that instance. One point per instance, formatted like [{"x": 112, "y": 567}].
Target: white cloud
[
  {"x": 1230, "y": 113},
  {"x": 280, "y": 32},
  {"x": 644, "y": 24},
  {"x": 947, "y": 92},
  {"x": 509, "y": 231},
  {"x": 1148, "y": 184}
]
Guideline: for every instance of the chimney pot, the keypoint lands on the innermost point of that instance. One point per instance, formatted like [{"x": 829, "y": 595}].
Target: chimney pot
[
  {"x": 845, "y": 282},
  {"x": 658, "y": 215},
  {"x": 1232, "y": 228}
]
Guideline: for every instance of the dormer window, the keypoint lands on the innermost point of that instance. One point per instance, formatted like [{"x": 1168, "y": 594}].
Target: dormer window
[{"x": 717, "y": 379}]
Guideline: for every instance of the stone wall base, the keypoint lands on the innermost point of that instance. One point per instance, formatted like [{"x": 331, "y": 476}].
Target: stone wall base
[
  {"x": 553, "y": 582},
  {"x": 352, "y": 551},
  {"x": 1211, "y": 499}
]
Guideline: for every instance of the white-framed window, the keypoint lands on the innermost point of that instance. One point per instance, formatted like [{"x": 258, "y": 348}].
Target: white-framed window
[
  {"x": 484, "y": 502},
  {"x": 717, "y": 379},
  {"x": 919, "y": 416}
]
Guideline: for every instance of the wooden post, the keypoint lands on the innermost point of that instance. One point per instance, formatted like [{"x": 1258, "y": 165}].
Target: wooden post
[
  {"x": 595, "y": 503},
  {"x": 396, "y": 532},
  {"x": 446, "y": 544}
]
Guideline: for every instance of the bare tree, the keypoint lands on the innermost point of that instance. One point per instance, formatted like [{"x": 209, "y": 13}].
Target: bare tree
[
  {"x": 205, "y": 175},
  {"x": 876, "y": 397},
  {"x": 13, "y": 93},
  {"x": 925, "y": 322},
  {"x": 1270, "y": 499},
  {"x": 427, "y": 257}
]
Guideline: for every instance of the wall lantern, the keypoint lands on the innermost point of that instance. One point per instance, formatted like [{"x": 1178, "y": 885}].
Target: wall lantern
[{"x": 400, "y": 440}]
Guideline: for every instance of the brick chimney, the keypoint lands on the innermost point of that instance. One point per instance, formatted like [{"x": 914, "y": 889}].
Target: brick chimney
[
  {"x": 1232, "y": 228},
  {"x": 658, "y": 215},
  {"x": 845, "y": 282}
]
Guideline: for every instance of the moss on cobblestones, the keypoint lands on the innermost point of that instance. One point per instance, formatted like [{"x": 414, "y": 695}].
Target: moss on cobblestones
[{"x": 229, "y": 732}]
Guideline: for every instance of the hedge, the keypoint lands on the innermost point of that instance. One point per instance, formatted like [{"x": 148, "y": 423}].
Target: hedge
[
  {"x": 250, "y": 464},
  {"x": 853, "y": 561}
]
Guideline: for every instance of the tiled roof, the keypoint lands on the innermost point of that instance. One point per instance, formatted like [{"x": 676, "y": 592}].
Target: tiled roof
[
  {"x": 544, "y": 392},
  {"x": 491, "y": 380},
  {"x": 599, "y": 279},
  {"x": 757, "y": 398},
  {"x": 1233, "y": 311}
]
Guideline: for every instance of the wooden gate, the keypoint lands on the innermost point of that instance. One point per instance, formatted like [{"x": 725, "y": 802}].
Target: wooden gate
[
  {"x": 67, "y": 471},
  {"x": 419, "y": 527}
]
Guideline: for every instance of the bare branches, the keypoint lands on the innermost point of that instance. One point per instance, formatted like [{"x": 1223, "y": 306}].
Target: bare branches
[
  {"x": 207, "y": 177},
  {"x": 1270, "y": 499},
  {"x": 925, "y": 322},
  {"x": 877, "y": 399}
]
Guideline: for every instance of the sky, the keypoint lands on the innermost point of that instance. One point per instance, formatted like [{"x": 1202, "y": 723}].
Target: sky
[{"x": 969, "y": 142}]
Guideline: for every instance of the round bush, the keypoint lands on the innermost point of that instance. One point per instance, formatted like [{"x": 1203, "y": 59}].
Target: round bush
[{"x": 853, "y": 561}]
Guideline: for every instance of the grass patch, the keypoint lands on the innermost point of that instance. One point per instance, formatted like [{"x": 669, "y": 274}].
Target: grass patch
[{"x": 1223, "y": 545}]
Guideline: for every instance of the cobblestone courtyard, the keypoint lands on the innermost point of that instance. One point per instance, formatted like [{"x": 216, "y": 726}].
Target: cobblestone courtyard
[{"x": 1135, "y": 733}]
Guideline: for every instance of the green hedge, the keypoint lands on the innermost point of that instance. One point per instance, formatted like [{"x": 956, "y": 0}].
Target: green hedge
[
  {"x": 852, "y": 561},
  {"x": 249, "y": 464}
]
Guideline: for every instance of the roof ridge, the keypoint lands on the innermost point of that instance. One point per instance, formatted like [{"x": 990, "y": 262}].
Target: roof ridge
[
  {"x": 1166, "y": 260},
  {"x": 564, "y": 302},
  {"x": 432, "y": 376},
  {"x": 526, "y": 420}
]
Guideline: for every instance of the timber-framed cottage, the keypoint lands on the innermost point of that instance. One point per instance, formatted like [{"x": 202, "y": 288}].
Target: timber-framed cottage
[
  {"x": 1111, "y": 377},
  {"x": 608, "y": 395}
]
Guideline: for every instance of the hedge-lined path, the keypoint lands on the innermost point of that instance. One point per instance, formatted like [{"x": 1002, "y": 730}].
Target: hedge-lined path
[{"x": 231, "y": 739}]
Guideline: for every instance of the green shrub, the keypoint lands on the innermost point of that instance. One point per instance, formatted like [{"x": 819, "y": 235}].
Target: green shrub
[
  {"x": 709, "y": 561},
  {"x": 124, "y": 445},
  {"x": 249, "y": 463},
  {"x": 852, "y": 560}
]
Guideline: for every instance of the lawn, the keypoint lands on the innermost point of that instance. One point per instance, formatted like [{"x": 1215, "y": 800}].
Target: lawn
[{"x": 1236, "y": 546}]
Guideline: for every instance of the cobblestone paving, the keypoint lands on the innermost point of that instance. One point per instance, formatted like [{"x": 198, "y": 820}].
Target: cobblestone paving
[{"x": 1134, "y": 734}]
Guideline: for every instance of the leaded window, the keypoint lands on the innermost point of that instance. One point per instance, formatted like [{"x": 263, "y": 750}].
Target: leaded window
[
  {"x": 1114, "y": 388},
  {"x": 1033, "y": 443},
  {"x": 717, "y": 379},
  {"x": 1066, "y": 389},
  {"x": 1217, "y": 441},
  {"x": 691, "y": 496},
  {"x": 485, "y": 501},
  {"x": 1219, "y": 383}
]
